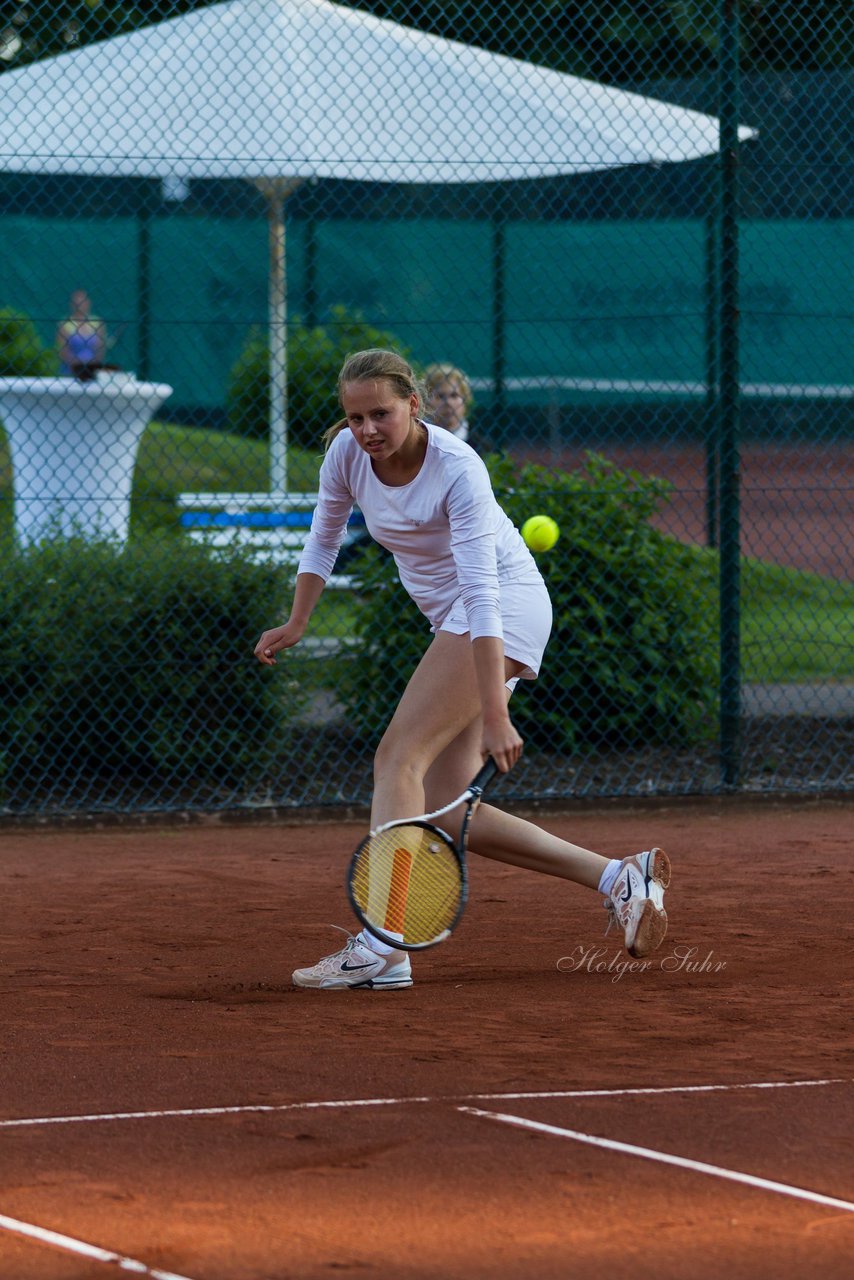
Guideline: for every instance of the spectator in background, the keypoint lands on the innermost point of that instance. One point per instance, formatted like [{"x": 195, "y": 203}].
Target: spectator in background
[
  {"x": 81, "y": 340},
  {"x": 449, "y": 399}
]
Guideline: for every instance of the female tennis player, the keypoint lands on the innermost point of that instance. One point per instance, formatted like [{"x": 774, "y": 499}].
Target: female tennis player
[{"x": 426, "y": 496}]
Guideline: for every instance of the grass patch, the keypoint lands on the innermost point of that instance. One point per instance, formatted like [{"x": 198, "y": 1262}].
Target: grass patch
[
  {"x": 174, "y": 459},
  {"x": 795, "y": 626}
]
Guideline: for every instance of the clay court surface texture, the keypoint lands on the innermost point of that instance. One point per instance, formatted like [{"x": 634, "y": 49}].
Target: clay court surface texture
[{"x": 534, "y": 1106}]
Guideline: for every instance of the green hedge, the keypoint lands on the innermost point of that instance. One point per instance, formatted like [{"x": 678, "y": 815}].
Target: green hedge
[
  {"x": 632, "y": 658},
  {"x": 22, "y": 353},
  {"x": 136, "y": 661}
]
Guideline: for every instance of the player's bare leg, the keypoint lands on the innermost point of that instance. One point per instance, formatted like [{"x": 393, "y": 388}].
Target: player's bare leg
[
  {"x": 440, "y": 701},
  {"x": 431, "y": 751},
  {"x": 506, "y": 838},
  {"x": 633, "y": 887}
]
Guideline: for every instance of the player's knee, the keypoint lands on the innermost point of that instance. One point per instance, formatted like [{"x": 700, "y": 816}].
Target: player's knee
[{"x": 401, "y": 759}]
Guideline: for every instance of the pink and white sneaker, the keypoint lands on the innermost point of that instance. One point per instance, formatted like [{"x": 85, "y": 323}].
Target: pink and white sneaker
[
  {"x": 636, "y": 901},
  {"x": 357, "y": 966}
]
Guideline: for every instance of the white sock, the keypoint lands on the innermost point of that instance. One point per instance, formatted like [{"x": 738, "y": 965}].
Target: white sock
[
  {"x": 609, "y": 875},
  {"x": 373, "y": 944}
]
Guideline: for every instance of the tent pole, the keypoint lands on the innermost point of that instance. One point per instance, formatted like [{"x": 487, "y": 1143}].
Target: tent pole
[
  {"x": 276, "y": 191},
  {"x": 278, "y": 330}
]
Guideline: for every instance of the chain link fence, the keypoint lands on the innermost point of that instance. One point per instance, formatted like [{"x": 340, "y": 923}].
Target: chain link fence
[{"x": 628, "y": 224}]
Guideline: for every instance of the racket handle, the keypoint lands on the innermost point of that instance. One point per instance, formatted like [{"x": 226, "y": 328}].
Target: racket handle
[{"x": 486, "y": 774}]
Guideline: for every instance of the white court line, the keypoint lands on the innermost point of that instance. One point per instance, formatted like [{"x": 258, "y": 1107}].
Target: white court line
[
  {"x": 191, "y": 1112},
  {"x": 271, "y": 1108},
  {"x": 682, "y": 1088},
  {"x": 139, "y": 1268},
  {"x": 70, "y": 1245},
  {"x": 696, "y": 1166}
]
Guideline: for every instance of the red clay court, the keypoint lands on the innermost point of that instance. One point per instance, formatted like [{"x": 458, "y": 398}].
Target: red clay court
[{"x": 172, "y": 1107}]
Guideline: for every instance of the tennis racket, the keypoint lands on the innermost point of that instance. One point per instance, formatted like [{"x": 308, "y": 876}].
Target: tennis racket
[{"x": 408, "y": 882}]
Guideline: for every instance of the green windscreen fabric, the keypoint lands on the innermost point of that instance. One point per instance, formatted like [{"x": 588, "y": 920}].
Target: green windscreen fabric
[{"x": 604, "y": 301}]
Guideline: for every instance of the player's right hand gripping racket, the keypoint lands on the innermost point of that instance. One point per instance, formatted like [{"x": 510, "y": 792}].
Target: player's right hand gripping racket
[{"x": 408, "y": 882}]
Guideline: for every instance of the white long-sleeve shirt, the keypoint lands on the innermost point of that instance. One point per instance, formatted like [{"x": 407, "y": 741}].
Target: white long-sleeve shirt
[{"x": 447, "y": 533}]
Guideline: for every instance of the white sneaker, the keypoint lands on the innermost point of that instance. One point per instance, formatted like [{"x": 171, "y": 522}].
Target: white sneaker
[
  {"x": 636, "y": 901},
  {"x": 356, "y": 965}
]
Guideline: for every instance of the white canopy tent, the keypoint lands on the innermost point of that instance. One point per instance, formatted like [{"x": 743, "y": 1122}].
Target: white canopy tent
[{"x": 280, "y": 91}]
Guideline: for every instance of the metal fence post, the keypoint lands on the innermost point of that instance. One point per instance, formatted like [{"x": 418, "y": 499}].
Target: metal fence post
[
  {"x": 143, "y": 293},
  {"x": 499, "y": 315},
  {"x": 710, "y": 423},
  {"x": 728, "y": 399}
]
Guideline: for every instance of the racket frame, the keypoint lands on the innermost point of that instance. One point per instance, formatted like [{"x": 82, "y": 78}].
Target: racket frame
[
  {"x": 376, "y": 930},
  {"x": 471, "y": 798}
]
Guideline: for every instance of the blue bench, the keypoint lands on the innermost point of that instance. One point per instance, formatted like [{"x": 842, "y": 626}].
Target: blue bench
[{"x": 274, "y": 526}]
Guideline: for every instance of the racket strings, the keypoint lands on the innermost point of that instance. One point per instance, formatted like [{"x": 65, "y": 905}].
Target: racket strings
[{"x": 408, "y": 884}]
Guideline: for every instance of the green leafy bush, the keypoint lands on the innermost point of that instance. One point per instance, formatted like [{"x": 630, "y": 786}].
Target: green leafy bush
[
  {"x": 22, "y": 353},
  {"x": 632, "y": 654},
  {"x": 315, "y": 357},
  {"x": 135, "y": 661}
]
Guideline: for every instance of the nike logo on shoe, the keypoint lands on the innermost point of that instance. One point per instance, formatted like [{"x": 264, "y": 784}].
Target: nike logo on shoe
[
  {"x": 350, "y": 967},
  {"x": 631, "y": 890}
]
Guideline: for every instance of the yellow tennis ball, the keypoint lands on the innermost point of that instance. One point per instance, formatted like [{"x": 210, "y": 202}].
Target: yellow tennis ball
[{"x": 540, "y": 533}]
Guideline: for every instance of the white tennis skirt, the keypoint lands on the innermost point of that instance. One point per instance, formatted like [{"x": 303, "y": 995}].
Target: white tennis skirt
[{"x": 526, "y": 617}]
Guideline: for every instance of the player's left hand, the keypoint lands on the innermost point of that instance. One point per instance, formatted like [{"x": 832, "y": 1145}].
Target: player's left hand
[{"x": 501, "y": 741}]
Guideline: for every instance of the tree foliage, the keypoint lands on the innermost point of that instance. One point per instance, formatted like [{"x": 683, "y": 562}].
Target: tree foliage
[
  {"x": 315, "y": 357},
  {"x": 21, "y": 351}
]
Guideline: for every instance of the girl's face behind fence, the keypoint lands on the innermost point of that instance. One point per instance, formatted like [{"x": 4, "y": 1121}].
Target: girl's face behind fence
[{"x": 446, "y": 405}]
